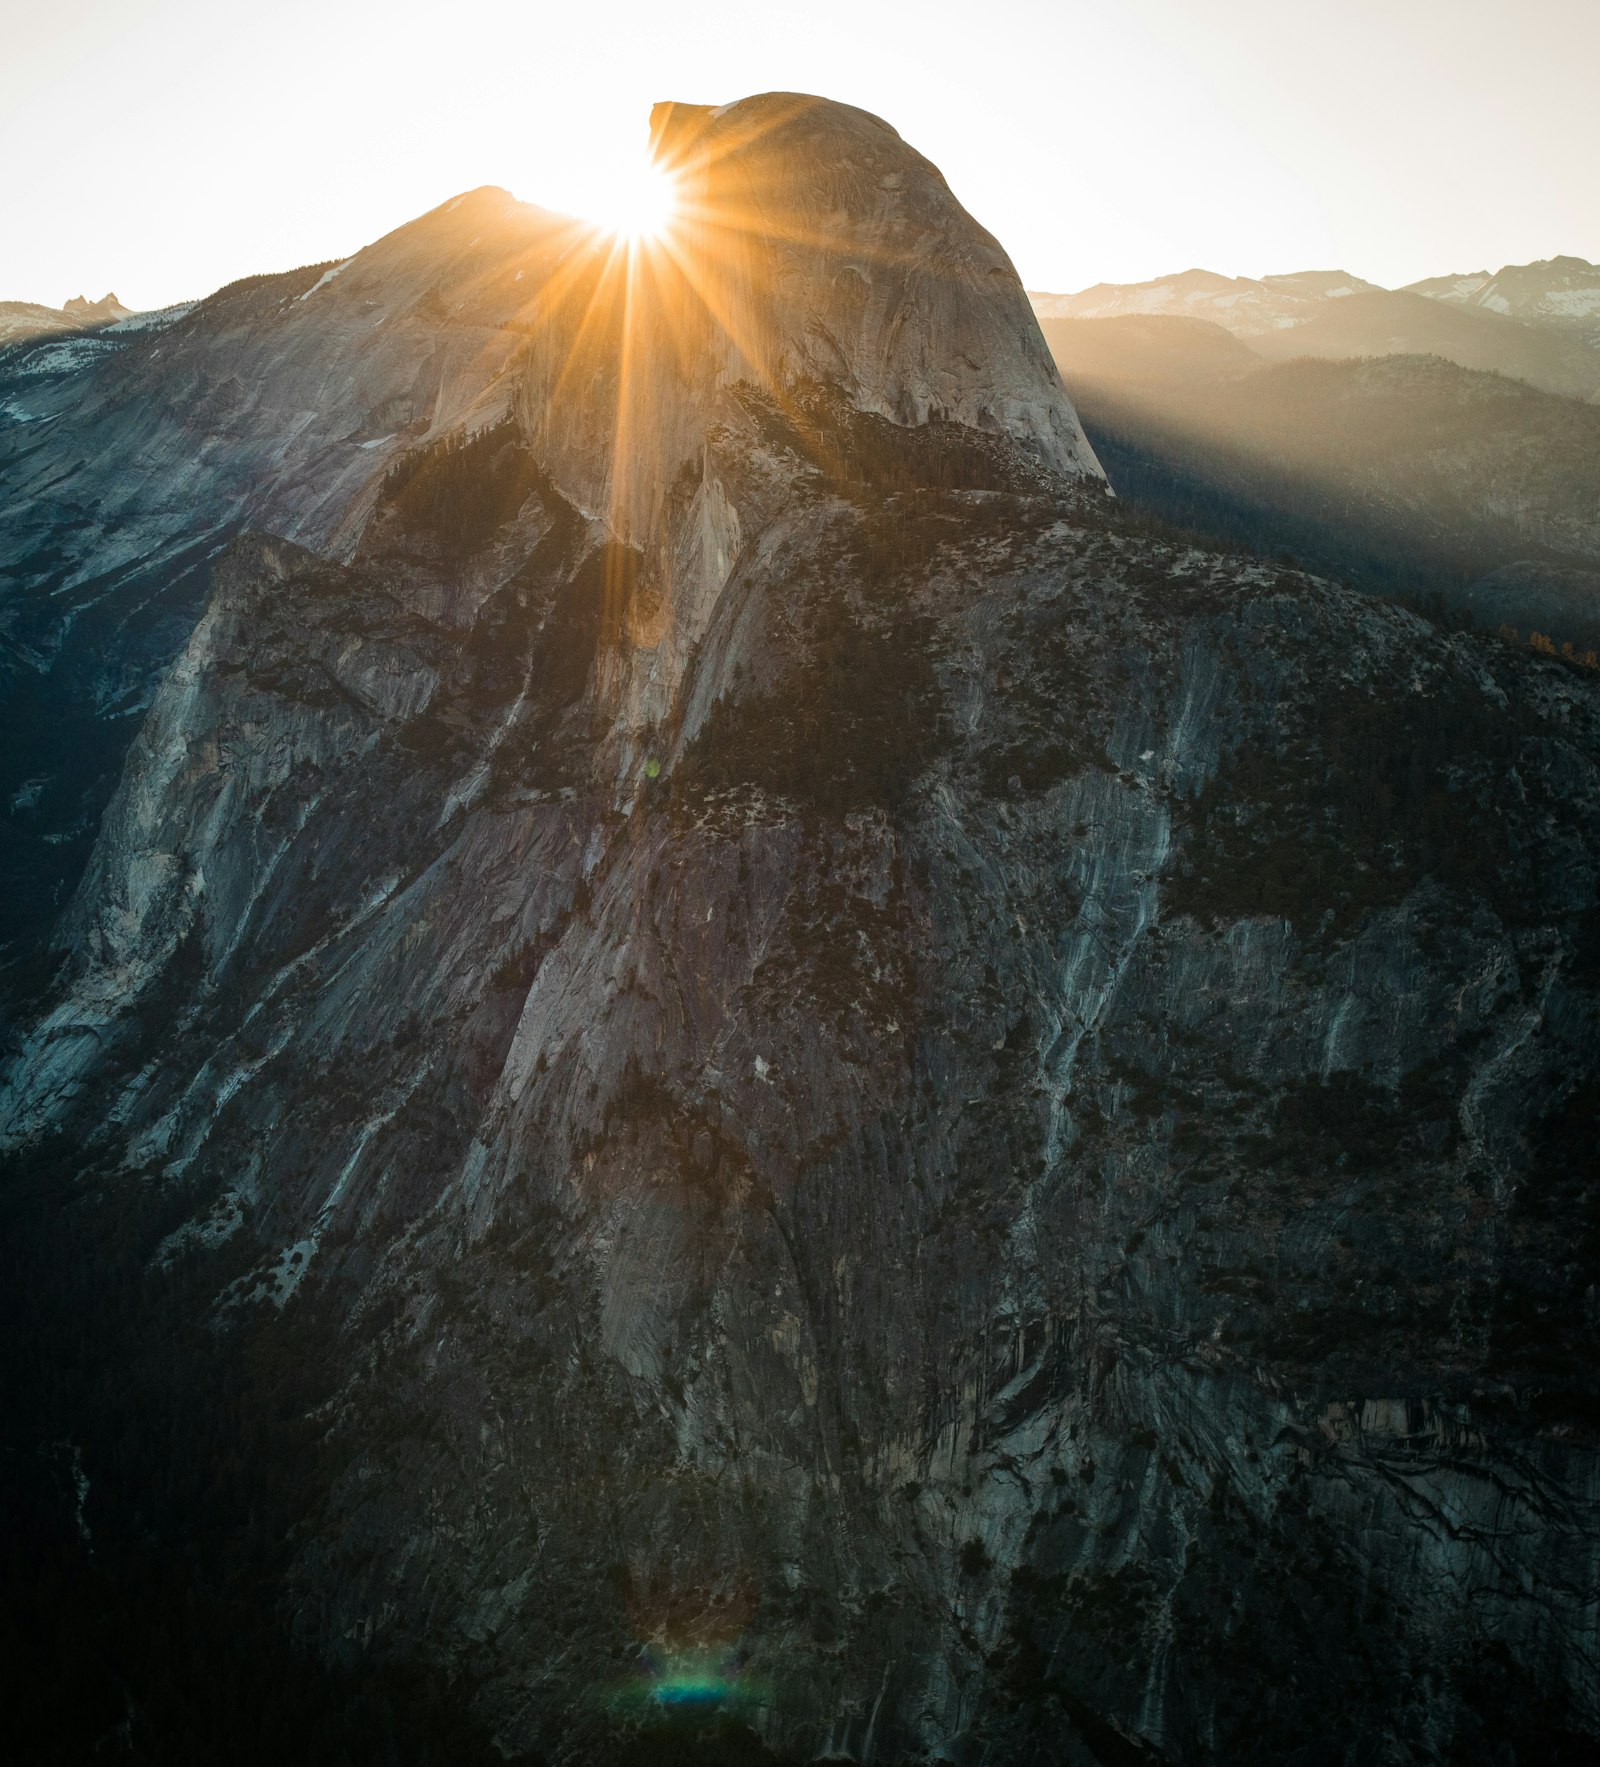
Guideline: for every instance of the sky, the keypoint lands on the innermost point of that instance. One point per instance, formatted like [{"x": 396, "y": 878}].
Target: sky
[{"x": 160, "y": 148}]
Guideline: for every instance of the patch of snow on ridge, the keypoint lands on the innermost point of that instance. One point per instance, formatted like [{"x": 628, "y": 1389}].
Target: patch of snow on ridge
[
  {"x": 63, "y": 358},
  {"x": 1463, "y": 288},
  {"x": 327, "y": 276},
  {"x": 1574, "y": 303},
  {"x": 156, "y": 320}
]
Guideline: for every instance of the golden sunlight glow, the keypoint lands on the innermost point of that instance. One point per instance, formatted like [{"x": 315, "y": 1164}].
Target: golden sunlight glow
[{"x": 637, "y": 203}]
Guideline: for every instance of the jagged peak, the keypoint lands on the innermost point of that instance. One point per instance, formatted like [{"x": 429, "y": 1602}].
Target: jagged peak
[{"x": 108, "y": 306}]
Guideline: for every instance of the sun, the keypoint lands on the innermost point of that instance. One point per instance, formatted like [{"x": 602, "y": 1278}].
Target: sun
[{"x": 637, "y": 203}]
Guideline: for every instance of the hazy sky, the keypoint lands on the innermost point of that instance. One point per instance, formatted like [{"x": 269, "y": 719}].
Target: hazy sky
[{"x": 163, "y": 147}]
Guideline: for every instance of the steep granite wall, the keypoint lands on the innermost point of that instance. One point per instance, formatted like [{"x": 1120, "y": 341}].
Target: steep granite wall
[{"x": 971, "y": 1127}]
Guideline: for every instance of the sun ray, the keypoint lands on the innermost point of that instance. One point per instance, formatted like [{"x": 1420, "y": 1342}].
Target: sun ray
[{"x": 689, "y": 247}]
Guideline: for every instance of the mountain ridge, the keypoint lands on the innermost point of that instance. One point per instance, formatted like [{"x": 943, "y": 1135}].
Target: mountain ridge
[
  {"x": 24, "y": 321},
  {"x": 744, "y": 1044},
  {"x": 1410, "y": 476},
  {"x": 1542, "y": 331}
]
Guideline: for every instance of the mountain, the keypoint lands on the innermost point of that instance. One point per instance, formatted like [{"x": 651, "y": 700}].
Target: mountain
[
  {"x": 1246, "y": 306},
  {"x": 1386, "y": 324},
  {"x": 1147, "y": 349},
  {"x": 1405, "y": 474},
  {"x": 1538, "y": 599},
  {"x": 1562, "y": 293},
  {"x": 738, "y": 1076},
  {"x": 133, "y": 455},
  {"x": 1327, "y": 313},
  {"x": 1455, "y": 289},
  {"x": 21, "y": 321}
]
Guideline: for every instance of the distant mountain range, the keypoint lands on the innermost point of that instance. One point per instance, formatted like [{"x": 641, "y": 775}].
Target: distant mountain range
[
  {"x": 1242, "y": 303},
  {"x": 1561, "y": 292},
  {"x": 21, "y": 321},
  {"x": 1408, "y": 474},
  {"x": 1534, "y": 322}
]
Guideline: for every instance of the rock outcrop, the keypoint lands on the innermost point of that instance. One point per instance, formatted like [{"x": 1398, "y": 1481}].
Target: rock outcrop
[
  {"x": 25, "y": 321},
  {"x": 132, "y": 455},
  {"x": 831, "y": 1063}
]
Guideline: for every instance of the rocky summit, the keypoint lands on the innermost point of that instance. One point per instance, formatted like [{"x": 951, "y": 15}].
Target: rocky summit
[{"x": 733, "y": 1068}]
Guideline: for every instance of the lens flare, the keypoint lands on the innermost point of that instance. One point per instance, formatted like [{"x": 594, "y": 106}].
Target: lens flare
[{"x": 680, "y": 1687}]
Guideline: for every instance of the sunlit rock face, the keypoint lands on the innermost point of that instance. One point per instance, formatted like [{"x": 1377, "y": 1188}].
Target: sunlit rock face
[
  {"x": 811, "y": 251},
  {"x": 833, "y": 252},
  {"x": 810, "y": 245},
  {"x": 859, "y": 1097}
]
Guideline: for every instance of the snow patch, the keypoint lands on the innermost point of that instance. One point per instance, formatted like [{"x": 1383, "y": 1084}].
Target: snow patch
[
  {"x": 1574, "y": 303},
  {"x": 325, "y": 278},
  {"x": 1458, "y": 291},
  {"x": 158, "y": 319},
  {"x": 63, "y": 358}
]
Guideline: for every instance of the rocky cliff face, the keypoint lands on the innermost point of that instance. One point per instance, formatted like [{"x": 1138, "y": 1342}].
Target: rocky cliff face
[
  {"x": 132, "y": 455},
  {"x": 861, "y": 1088}
]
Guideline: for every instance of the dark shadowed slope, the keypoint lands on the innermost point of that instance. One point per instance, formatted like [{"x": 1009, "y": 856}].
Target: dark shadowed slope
[{"x": 1410, "y": 476}]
